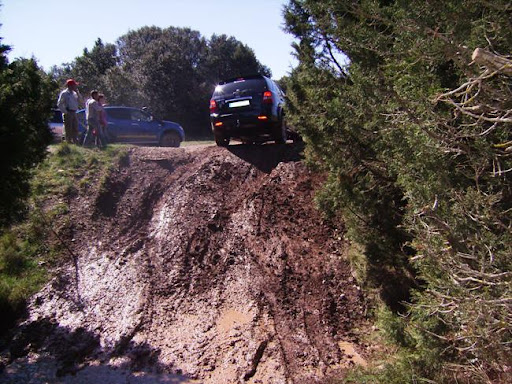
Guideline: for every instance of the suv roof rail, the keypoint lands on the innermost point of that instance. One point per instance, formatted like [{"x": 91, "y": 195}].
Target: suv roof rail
[{"x": 243, "y": 77}]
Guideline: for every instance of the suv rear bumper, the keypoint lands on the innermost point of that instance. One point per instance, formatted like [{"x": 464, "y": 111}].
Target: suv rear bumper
[{"x": 239, "y": 127}]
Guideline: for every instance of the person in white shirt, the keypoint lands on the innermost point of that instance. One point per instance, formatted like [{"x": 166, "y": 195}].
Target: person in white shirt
[
  {"x": 93, "y": 110},
  {"x": 68, "y": 104}
]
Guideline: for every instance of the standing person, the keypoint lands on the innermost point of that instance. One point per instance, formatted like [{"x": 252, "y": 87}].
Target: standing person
[
  {"x": 68, "y": 104},
  {"x": 92, "y": 114},
  {"x": 103, "y": 119}
]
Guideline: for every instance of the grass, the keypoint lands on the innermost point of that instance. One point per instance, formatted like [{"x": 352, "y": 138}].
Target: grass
[
  {"x": 71, "y": 168},
  {"x": 29, "y": 249}
]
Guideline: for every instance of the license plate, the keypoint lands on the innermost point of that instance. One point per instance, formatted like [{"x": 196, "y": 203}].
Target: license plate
[{"x": 237, "y": 104}]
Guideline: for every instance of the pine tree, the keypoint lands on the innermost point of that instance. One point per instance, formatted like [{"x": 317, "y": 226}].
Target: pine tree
[
  {"x": 26, "y": 98},
  {"x": 416, "y": 142}
]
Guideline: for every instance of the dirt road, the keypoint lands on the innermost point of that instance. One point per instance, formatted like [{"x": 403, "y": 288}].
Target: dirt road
[{"x": 198, "y": 264}]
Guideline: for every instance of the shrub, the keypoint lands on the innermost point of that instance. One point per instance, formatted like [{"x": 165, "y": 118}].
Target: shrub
[
  {"x": 416, "y": 142},
  {"x": 26, "y": 98}
]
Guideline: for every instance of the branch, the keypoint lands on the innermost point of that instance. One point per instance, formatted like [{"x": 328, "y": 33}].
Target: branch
[
  {"x": 331, "y": 54},
  {"x": 492, "y": 61},
  {"x": 504, "y": 119}
]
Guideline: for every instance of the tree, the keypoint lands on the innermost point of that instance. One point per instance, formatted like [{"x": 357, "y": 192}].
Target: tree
[
  {"x": 165, "y": 64},
  {"x": 121, "y": 88},
  {"x": 227, "y": 58},
  {"x": 26, "y": 97},
  {"x": 414, "y": 138},
  {"x": 90, "y": 68}
]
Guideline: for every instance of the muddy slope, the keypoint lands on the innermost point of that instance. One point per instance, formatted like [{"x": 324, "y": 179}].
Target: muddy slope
[{"x": 198, "y": 264}]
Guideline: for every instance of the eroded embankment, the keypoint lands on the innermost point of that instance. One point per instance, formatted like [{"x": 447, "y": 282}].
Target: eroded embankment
[{"x": 197, "y": 265}]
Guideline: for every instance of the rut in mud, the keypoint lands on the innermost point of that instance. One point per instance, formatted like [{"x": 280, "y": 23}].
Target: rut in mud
[{"x": 197, "y": 264}]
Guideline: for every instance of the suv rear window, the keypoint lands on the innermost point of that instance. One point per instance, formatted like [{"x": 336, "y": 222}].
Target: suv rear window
[{"x": 245, "y": 86}]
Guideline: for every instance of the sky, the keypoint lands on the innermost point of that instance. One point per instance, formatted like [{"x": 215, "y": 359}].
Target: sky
[{"x": 56, "y": 31}]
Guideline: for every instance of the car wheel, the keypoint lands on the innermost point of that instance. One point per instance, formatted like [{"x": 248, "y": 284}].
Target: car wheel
[
  {"x": 280, "y": 135},
  {"x": 221, "y": 140},
  {"x": 170, "y": 139}
]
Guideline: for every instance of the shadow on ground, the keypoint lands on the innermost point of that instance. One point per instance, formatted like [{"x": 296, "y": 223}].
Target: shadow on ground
[
  {"x": 267, "y": 156},
  {"x": 44, "y": 352}
]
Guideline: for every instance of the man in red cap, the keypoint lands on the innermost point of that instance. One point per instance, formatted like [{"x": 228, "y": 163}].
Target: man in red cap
[{"x": 68, "y": 105}]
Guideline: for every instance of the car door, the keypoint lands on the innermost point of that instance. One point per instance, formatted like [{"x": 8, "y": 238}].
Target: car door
[
  {"x": 143, "y": 126},
  {"x": 119, "y": 127}
]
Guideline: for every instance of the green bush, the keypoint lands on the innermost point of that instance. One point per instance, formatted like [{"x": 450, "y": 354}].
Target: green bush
[
  {"x": 416, "y": 143},
  {"x": 26, "y": 98}
]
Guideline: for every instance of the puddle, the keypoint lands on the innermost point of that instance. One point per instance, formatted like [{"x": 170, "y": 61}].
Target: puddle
[
  {"x": 349, "y": 351},
  {"x": 231, "y": 318}
]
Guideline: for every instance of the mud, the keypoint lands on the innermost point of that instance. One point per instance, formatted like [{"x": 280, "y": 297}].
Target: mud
[{"x": 198, "y": 264}]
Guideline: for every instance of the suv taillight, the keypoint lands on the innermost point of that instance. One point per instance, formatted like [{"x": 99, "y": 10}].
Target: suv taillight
[
  {"x": 213, "y": 106},
  {"x": 267, "y": 97}
]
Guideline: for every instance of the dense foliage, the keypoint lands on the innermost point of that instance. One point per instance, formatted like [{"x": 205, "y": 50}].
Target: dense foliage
[
  {"x": 416, "y": 140},
  {"x": 171, "y": 71},
  {"x": 26, "y": 95}
]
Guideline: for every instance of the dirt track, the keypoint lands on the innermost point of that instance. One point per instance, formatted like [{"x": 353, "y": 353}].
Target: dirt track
[{"x": 198, "y": 264}]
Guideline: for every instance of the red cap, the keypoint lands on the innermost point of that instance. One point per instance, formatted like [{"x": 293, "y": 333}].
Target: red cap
[{"x": 71, "y": 82}]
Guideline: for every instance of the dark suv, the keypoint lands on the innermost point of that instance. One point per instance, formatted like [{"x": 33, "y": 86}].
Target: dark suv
[{"x": 248, "y": 108}]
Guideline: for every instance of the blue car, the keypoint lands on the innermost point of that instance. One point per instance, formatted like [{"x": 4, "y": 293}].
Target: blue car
[{"x": 137, "y": 126}]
